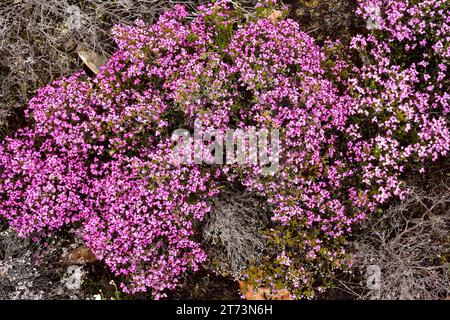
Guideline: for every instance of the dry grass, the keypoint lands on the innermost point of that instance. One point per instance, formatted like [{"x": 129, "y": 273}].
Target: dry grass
[{"x": 410, "y": 244}]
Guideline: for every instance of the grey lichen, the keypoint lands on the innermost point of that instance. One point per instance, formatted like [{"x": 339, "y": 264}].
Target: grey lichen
[
  {"x": 30, "y": 270},
  {"x": 232, "y": 232}
]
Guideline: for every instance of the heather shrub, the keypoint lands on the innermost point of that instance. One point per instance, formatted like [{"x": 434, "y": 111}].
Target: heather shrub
[
  {"x": 401, "y": 100},
  {"x": 98, "y": 154},
  {"x": 39, "y": 40},
  {"x": 144, "y": 227},
  {"x": 384, "y": 124}
]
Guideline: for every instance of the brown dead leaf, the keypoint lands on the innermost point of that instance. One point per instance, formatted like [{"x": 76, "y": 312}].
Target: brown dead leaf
[
  {"x": 263, "y": 293},
  {"x": 93, "y": 60},
  {"x": 275, "y": 15},
  {"x": 80, "y": 255},
  {"x": 311, "y": 3}
]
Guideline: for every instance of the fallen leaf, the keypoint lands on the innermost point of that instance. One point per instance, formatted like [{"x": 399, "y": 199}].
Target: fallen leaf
[
  {"x": 263, "y": 293},
  {"x": 93, "y": 60},
  {"x": 275, "y": 15},
  {"x": 80, "y": 255}
]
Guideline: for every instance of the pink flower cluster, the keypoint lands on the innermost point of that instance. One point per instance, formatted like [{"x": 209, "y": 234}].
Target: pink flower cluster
[
  {"x": 98, "y": 152},
  {"x": 135, "y": 206},
  {"x": 400, "y": 113}
]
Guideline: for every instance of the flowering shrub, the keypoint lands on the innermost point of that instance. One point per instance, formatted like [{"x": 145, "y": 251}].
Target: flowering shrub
[
  {"x": 401, "y": 92},
  {"x": 43, "y": 176},
  {"x": 99, "y": 151}
]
